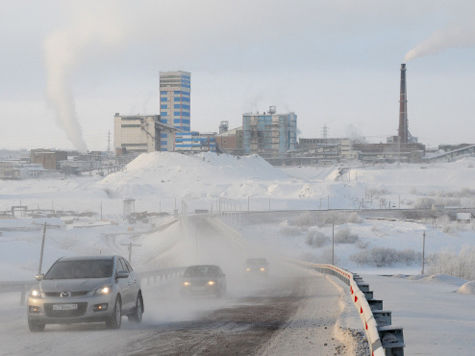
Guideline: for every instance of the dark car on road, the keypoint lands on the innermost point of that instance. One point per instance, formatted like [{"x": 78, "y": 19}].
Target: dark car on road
[
  {"x": 86, "y": 289},
  {"x": 257, "y": 266},
  {"x": 203, "y": 280}
]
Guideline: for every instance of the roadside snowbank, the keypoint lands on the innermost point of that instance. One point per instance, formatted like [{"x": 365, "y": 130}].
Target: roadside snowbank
[{"x": 467, "y": 288}]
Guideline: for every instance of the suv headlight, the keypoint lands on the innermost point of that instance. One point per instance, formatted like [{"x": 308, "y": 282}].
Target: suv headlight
[
  {"x": 36, "y": 293},
  {"x": 103, "y": 290}
]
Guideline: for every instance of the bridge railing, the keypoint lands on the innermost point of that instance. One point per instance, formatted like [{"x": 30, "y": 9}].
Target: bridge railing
[
  {"x": 161, "y": 274},
  {"x": 383, "y": 338},
  {"x": 152, "y": 276}
]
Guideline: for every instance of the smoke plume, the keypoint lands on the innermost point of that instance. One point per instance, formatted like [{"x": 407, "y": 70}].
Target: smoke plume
[
  {"x": 64, "y": 50},
  {"x": 454, "y": 37}
]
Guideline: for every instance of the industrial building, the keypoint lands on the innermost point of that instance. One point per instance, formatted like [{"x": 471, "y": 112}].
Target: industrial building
[
  {"x": 327, "y": 149},
  {"x": 137, "y": 133},
  {"x": 195, "y": 142},
  {"x": 230, "y": 141},
  {"x": 49, "y": 159},
  {"x": 20, "y": 170},
  {"x": 269, "y": 133},
  {"x": 175, "y": 105}
]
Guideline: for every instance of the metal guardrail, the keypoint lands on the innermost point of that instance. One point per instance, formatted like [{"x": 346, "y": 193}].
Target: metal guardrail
[
  {"x": 383, "y": 338},
  {"x": 161, "y": 274},
  {"x": 23, "y": 287}
]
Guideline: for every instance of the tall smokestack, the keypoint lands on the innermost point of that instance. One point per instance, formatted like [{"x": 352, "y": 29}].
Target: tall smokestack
[{"x": 403, "y": 132}]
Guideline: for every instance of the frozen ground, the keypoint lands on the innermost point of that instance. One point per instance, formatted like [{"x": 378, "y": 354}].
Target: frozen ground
[{"x": 163, "y": 182}]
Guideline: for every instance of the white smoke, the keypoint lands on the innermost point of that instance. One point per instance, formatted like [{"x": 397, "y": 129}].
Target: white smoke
[
  {"x": 64, "y": 50},
  {"x": 454, "y": 37}
]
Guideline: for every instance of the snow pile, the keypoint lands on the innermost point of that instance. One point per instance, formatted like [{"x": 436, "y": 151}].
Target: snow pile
[
  {"x": 204, "y": 176},
  {"x": 444, "y": 278},
  {"x": 467, "y": 288}
]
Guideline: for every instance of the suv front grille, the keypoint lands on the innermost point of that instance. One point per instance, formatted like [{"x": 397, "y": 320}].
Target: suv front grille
[{"x": 73, "y": 294}]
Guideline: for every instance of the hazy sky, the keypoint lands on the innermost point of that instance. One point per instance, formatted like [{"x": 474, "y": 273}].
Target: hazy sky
[{"x": 332, "y": 62}]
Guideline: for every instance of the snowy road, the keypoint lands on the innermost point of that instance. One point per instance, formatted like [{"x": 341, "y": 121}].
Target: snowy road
[
  {"x": 292, "y": 310},
  {"x": 276, "y": 314}
]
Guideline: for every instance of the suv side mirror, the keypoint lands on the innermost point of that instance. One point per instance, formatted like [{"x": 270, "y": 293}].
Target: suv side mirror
[
  {"x": 40, "y": 277},
  {"x": 122, "y": 274}
]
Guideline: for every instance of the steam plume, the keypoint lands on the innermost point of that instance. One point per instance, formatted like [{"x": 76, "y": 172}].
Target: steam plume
[
  {"x": 455, "y": 37},
  {"x": 64, "y": 50}
]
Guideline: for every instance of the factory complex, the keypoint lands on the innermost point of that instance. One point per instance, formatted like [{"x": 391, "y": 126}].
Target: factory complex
[{"x": 269, "y": 134}]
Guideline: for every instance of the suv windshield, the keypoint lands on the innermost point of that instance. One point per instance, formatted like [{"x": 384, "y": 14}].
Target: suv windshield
[
  {"x": 80, "y": 269},
  {"x": 202, "y": 271}
]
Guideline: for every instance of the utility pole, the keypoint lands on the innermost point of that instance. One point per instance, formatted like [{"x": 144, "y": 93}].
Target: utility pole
[
  {"x": 269, "y": 204},
  {"x": 328, "y": 203},
  {"x": 423, "y": 250},
  {"x": 42, "y": 248},
  {"x": 333, "y": 244},
  {"x": 130, "y": 245},
  {"x": 101, "y": 210},
  {"x": 248, "y": 203}
]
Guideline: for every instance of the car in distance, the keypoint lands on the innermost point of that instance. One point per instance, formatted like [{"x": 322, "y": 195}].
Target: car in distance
[
  {"x": 85, "y": 289},
  {"x": 257, "y": 266},
  {"x": 203, "y": 280}
]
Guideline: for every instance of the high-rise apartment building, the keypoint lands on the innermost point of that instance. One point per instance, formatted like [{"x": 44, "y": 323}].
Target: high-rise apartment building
[{"x": 175, "y": 105}]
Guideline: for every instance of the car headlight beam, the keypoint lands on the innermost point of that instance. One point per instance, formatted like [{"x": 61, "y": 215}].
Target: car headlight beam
[
  {"x": 211, "y": 283},
  {"x": 186, "y": 283},
  {"x": 35, "y": 293},
  {"x": 103, "y": 290}
]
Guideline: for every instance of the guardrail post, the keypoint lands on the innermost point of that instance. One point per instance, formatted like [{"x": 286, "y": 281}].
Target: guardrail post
[
  {"x": 375, "y": 304},
  {"x": 392, "y": 339},
  {"x": 368, "y": 294},
  {"x": 382, "y": 317}
]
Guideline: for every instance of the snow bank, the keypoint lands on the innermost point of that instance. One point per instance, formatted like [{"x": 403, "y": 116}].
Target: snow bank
[
  {"x": 467, "y": 288},
  {"x": 444, "y": 278}
]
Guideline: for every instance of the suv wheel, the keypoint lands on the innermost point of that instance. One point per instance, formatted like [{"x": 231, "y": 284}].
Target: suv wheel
[
  {"x": 35, "y": 326},
  {"x": 115, "y": 319},
  {"x": 136, "y": 316}
]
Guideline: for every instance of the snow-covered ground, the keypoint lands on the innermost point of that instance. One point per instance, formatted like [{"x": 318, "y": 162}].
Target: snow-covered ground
[
  {"x": 163, "y": 182},
  {"x": 436, "y": 319}
]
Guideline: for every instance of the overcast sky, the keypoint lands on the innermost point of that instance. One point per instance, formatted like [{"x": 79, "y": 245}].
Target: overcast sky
[{"x": 333, "y": 63}]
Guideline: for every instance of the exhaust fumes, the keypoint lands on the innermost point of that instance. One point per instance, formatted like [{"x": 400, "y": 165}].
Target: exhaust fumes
[
  {"x": 454, "y": 37},
  {"x": 63, "y": 51}
]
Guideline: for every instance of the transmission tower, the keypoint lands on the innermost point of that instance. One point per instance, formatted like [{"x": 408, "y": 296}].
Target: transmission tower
[{"x": 325, "y": 131}]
